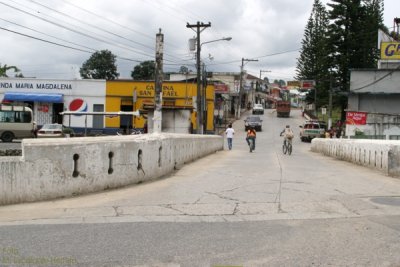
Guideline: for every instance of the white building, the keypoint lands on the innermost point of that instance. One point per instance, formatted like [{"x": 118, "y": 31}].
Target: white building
[{"x": 49, "y": 97}]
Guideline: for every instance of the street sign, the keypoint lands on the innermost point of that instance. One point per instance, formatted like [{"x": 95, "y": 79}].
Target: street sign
[
  {"x": 323, "y": 111},
  {"x": 307, "y": 84}
]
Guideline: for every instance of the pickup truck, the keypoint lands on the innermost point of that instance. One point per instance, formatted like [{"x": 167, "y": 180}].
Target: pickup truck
[
  {"x": 258, "y": 109},
  {"x": 312, "y": 129}
]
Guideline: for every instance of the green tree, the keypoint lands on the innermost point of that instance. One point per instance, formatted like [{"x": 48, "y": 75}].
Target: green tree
[
  {"x": 183, "y": 69},
  {"x": 5, "y": 68},
  {"x": 313, "y": 62},
  {"x": 144, "y": 71},
  {"x": 100, "y": 65},
  {"x": 281, "y": 83},
  {"x": 353, "y": 33}
]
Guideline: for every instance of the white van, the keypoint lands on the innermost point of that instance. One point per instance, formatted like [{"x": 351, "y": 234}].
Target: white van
[{"x": 16, "y": 122}]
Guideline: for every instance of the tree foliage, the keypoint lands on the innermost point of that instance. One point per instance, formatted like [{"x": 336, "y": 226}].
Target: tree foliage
[
  {"x": 183, "y": 69},
  {"x": 5, "y": 68},
  {"x": 100, "y": 65},
  {"x": 335, "y": 41},
  {"x": 313, "y": 63},
  {"x": 144, "y": 71},
  {"x": 353, "y": 33}
]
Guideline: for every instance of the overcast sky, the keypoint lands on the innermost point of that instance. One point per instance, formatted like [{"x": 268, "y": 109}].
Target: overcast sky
[{"x": 268, "y": 30}]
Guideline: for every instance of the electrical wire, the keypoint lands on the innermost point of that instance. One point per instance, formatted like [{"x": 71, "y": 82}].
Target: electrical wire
[
  {"x": 378, "y": 80},
  {"x": 65, "y": 46},
  {"x": 80, "y": 32},
  {"x": 52, "y": 36}
]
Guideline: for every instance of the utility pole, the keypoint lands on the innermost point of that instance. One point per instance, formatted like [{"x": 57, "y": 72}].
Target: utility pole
[
  {"x": 200, "y": 26},
  {"x": 315, "y": 100},
  {"x": 261, "y": 71},
  {"x": 241, "y": 85},
  {"x": 330, "y": 104},
  {"x": 157, "y": 119}
]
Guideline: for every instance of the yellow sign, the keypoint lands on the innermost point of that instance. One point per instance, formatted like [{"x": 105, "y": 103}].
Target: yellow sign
[
  {"x": 390, "y": 50},
  {"x": 293, "y": 83}
]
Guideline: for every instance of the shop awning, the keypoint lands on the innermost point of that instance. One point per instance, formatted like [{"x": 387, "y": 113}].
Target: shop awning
[{"x": 33, "y": 97}]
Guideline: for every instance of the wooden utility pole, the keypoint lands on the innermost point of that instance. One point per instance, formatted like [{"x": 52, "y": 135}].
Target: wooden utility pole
[
  {"x": 157, "y": 119},
  {"x": 199, "y": 98}
]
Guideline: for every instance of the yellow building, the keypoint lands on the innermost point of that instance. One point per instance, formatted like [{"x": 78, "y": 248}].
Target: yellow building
[{"x": 177, "y": 105}]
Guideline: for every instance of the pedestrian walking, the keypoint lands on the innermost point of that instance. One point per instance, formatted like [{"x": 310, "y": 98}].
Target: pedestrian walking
[{"x": 229, "y": 135}]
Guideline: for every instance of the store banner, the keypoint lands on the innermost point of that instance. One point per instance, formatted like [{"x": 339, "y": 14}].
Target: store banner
[{"x": 356, "y": 118}]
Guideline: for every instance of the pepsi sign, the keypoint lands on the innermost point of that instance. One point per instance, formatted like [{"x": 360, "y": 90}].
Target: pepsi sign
[{"x": 78, "y": 105}]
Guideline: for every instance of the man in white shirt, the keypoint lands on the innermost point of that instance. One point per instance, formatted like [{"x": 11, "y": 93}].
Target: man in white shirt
[{"x": 229, "y": 135}]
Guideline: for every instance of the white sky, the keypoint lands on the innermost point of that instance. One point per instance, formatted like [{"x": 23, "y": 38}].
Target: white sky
[{"x": 267, "y": 30}]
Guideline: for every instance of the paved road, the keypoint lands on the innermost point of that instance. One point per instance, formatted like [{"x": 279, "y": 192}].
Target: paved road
[{"x": 231, "y": 208}]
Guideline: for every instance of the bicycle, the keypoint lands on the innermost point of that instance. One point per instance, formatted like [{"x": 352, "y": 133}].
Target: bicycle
[
  {"x": 287, "y": 146},
  {"x": 251, "y": 144}
]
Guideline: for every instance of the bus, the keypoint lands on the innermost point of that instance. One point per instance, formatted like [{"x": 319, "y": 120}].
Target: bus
[{"x": 16, "y": 122}]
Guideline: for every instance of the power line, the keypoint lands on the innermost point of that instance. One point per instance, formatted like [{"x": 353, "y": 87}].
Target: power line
[
  {"x": 113, "y": 22},
  {"x": 80, "y": 32},
  {"x": 91, "y": 25},
  {"x": 378, "y": 80},
  {"x": 65, "y": 46},
  {"x": 52, "y": 36},
  {"x": 50, "y": 42},
  {"x": 72, "y": 30}
]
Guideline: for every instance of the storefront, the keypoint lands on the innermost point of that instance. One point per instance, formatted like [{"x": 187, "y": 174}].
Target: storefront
[
  {"x": 177, "y": 105},
  {"x": 48, "y": 98}
]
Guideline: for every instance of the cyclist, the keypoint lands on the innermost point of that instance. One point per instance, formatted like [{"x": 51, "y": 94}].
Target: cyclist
[
  {"x": 287, "y": 134},
  {"x": 251, "y": 134}
]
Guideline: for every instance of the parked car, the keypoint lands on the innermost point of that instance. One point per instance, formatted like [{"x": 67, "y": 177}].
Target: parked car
[
  {"x": 253, "y": 121},
  {"x": 312, "y": 129},
  {"x": 258, "y": 109},
  {"x": 51, "y": 130}
]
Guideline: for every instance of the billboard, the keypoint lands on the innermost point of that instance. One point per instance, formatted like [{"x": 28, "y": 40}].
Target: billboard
[
  {"x": 390, "y": 50},
  {"x": 356, "y": 118}
]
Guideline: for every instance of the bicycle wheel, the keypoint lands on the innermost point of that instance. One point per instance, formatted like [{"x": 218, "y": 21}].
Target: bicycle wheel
[
  {"x": 284, "y": 148},
  {"x": 289, "y": 149}
]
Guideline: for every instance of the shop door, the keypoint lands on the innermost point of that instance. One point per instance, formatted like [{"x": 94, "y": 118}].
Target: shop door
[
  {"x": 57, "y": 109},
  {"x": 126, "y": 120},
  {"x": 98, "y": 120}
]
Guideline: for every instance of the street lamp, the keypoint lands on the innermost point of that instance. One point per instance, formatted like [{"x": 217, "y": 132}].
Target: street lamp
[
  {"x": 222, "y": 39},
  {"x": 200, "y": 97}
]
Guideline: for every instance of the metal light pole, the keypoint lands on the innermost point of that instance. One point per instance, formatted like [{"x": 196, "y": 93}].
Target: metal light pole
[
  {"x": 201, "y": 94},
  {"x": 203, "y": 91},
  {"x": 199, "y": 28}
]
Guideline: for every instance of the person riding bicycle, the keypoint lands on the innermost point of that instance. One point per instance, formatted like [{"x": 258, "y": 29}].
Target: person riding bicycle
[
  {"x": 251, "y": 134},
  {"x": 287, "y": 134}
]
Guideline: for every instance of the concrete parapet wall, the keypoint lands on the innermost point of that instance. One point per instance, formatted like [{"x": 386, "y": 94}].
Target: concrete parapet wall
[
  {"x": 383, "y": 155},
  {"x": 53, "y": 168}
]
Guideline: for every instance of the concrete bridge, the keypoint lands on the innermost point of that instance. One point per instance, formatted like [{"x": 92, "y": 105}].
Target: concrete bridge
[{"x": 54, "y": 168}]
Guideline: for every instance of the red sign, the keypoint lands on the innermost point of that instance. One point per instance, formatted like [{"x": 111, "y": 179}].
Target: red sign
[
  {"x": 307, "y": 84},
  {"x": 221, "y": 88},
  {"x": 356, "y": 118}
]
